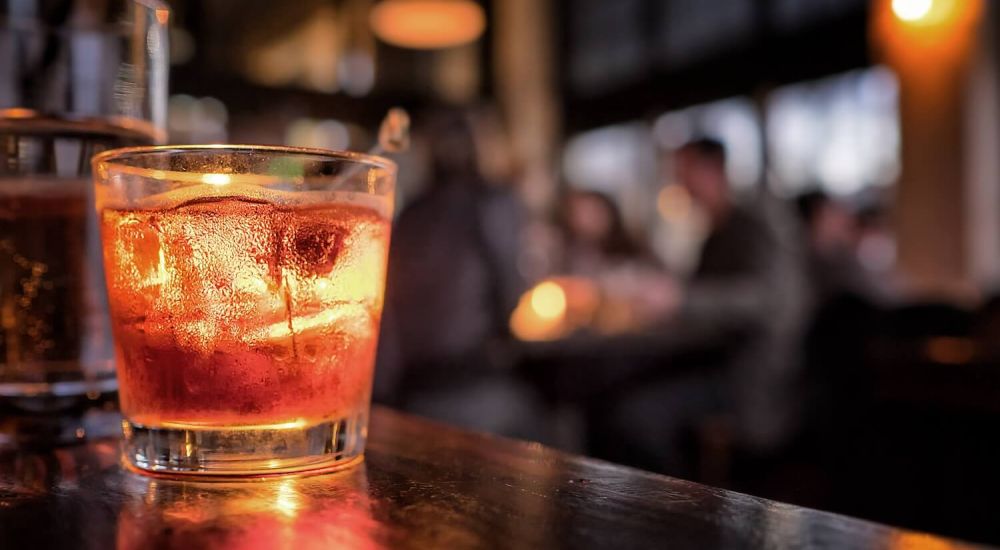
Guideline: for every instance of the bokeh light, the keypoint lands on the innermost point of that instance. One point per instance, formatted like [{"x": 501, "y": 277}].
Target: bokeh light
[
  {"x": 548, "y": 300},
  {"x": 428, "y": 24},
  {"x": 912, "y": 10}
]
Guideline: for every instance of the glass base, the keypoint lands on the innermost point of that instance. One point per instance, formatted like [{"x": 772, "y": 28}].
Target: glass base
[{"x": 244, "y": 450}]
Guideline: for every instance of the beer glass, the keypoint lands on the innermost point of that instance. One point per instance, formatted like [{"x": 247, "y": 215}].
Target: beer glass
[{"x": 76, "y": 77}]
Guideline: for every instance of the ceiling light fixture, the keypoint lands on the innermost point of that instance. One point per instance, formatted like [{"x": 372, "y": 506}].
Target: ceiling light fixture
[{"x": 428, "y": 24}]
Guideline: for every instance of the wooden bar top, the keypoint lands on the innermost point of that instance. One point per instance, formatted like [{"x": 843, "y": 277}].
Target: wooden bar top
[{"x": 422, "y": 485}]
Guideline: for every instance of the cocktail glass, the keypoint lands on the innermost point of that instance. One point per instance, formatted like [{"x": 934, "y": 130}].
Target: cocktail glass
[{"x": 245, "y": 287}]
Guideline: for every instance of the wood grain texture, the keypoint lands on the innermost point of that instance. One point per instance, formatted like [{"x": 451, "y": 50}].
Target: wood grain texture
[{"x": 422, "y": 485}]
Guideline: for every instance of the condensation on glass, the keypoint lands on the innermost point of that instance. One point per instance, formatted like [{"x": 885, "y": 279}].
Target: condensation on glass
[{"x": 246, "y": 291}]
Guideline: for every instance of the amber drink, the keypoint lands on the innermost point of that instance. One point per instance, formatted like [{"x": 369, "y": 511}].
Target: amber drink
[
  {"x": 245, "y": 286},
  {"x": 77, "y": 77}
]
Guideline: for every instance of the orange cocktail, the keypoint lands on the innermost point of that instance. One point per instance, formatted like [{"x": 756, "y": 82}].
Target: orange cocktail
[{"x": 245, "y": 309}]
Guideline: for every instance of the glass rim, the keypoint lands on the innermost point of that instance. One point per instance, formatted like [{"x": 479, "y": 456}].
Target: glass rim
[
  {"x": 80, "y": 124},
  {"x": 112, "y": 160}
]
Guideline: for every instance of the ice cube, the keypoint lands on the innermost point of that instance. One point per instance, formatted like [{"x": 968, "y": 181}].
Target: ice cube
[
  {"x": 226, "y": 255},
  {"x": 360, "y": 271},
  {"x": 313, "y": 247},
  {"x": 141, "y": 252},
  {"x": 350, "y": 319}
]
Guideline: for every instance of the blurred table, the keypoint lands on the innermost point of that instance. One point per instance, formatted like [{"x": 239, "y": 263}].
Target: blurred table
[
  {"x": 422, "y": 485},
  {"x": 586, "y": 366}
]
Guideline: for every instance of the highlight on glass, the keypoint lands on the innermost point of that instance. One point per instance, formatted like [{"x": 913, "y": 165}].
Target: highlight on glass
[{"x": 246, "y": 288}]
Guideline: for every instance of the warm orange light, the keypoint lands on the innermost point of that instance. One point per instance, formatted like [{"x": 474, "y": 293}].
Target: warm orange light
[
  {"x": 554, "y": 308},
  {"x": 308, "y": 513},
  {"x": 912, "y": 10},
  {"x": 287, "y": 499},
  {"x": 673, "y": 203},
  {"x": 307, "y": 55},
  {"x": 216, "y": 179},
  {"x": 290, "y": 425},
  {"x": 920, "y": 541},
  {"x": 925, "y": 13},
  {"x": 540, "y": 314},
  {"x": 548, "y": 300},
  {"x": 930, "y": 24},
  {"x": 427, "y": 24},
  {"x": 17, "y": 112},
  {"x": 950, "y": 350},
  {"x": 162, "y": 15},
  {"x": 926, "y": 42}
]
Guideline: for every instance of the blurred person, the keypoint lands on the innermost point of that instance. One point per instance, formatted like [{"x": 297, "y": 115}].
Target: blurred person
[
  {"x": 452, "y": 284},
  {"x": 596, "y": 238},
  {"x": 875, "y": 248},
  {"x": 844, "y": 300},
  {"x": 832, "y": 233},
  {"x": 745, "y": 300},
  {"x": 598, "y": 247}
]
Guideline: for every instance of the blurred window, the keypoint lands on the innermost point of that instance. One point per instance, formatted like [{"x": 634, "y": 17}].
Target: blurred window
[
  {"x": 839, "y": 133},
  {"x": 607, "y": 159},
  {"x": 620, "y": 161}
]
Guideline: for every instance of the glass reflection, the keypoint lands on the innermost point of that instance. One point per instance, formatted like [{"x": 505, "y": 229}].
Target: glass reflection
[
  {"x": 328, "y": 511},
  {"x": 25, "y": 474}
]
